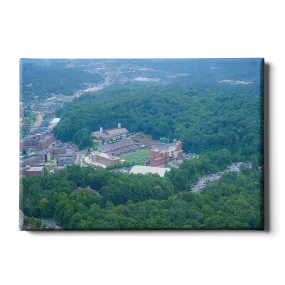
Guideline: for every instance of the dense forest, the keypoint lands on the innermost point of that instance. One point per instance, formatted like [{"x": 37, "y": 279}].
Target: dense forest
[
  {"x": 123, "y": 201},
  {"x": 204, "y": 120},
  {"x": 42, "y": 79}
]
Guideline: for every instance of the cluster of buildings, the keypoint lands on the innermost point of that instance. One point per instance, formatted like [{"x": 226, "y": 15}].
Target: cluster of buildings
[
  {"x": 38, "y": 139},
  {"x": 50, "y": 104},
  {"x": 39, "y": 147},
  {"x": 34, "y": 158},
  {"x": 120, "y": 142},
  {"x": 63, "y": 153}
]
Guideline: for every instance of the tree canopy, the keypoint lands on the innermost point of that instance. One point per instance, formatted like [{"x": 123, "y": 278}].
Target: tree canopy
[
  {"x": 123, "y": 201},
  {"x": 42, "y": 80},
  {"x": 202, "y": 119}
]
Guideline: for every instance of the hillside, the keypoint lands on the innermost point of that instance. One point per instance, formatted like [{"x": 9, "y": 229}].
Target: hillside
[
  {"x": 141, "y": 202},
  {"x": 39, "y": 79},
  {"x": 203, "y": 120}
]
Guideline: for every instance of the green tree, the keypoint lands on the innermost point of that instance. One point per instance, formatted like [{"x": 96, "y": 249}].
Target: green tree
[{"x": 38, "y": 223}]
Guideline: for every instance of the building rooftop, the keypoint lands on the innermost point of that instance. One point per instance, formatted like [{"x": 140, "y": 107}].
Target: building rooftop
[
  {"x": 115, "y": 132},
  {"x": 55, "y": 120},
  {"x": 60, "y": 167},
  {"x": 138, "y": 169},
  {"x": 98, "y": 164},
  {"x": 35, "y": 168},
  {"x": 65, "y": 158},
  {"x": 105, "y": 155},
  {"x": 23, "y": 157},
  {"x": 164, "y": 146},
  {"x": 95, "y": 134}
]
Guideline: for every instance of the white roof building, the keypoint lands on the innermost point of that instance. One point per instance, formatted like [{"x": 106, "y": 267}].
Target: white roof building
[
  {"x": 53, "y": 123},
  {"x": 138, "y": 169},
  {"x": 116, "y": 132},
  {"x": 35, "y": 168},
  {"x": 55, "y": 120}
]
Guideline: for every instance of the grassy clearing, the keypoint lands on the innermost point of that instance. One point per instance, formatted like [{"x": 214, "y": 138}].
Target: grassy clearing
[
  {"x": 138, "y": 157},
  {"x": 49, "y": 167},
  {"x": 96, "y": 144}
]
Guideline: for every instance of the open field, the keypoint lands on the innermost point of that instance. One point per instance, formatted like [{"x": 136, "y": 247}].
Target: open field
[
  {"x": 49, "y": 167},
  {"x": 95, "y": 144},
  {"x": 138, "y": 157}
]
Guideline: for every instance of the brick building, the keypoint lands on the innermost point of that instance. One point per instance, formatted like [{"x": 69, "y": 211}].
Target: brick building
[
  {"x": 104, "y": 158},
  {"x": 31, "y": 160},
  {"x": 39, "y": 141},
  {"x": 158, "y": 157},
  {"x": 58, "y": 150},
  {"x": 65, "y": 160},
  {"x": 110, "y": 133},
  {"x": 34, "y": 171},
  {"x": 179, "y": 152},
  {"x": 164, "y": 153},
  {"x": 43, "y": 155}
]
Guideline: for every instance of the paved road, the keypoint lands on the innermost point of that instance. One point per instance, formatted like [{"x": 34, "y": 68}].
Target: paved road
[
  {"x": 38, "y": 122},
  {"x": 79, "y": 157},
  {"x": 98, "y": 87}
]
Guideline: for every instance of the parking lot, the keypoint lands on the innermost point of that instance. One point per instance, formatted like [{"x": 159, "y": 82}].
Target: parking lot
[
  {"x": 189, "y": 156},
  {"x": 204, "y": 180}
]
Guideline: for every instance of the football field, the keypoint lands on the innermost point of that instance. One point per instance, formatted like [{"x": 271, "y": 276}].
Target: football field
[{"x": 138, "y": 157}]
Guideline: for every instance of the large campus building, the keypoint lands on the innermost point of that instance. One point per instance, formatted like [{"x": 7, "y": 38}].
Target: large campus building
[
  {"x": 34, "y": 171},
  {"x": 39, "y": 139},
  {"x": 139, "y": 169},
  {"x": 163, "y": 153},
  {"x": 35, "y": 158},
  {"x": 66, "y": 159},
  {"x": 110, "y": 133},
  {"x": 104, "y": 158}
]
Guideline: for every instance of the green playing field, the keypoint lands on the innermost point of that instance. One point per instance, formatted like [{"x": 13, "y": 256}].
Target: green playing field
[{"x": 138, "y": 157}]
